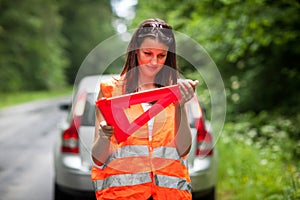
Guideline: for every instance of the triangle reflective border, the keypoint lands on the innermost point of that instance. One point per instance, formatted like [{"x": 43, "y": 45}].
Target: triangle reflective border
[{"x": 113, "y": 108}]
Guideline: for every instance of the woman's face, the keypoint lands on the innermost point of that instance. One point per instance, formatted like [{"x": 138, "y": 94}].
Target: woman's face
[{"x": 151, "y": 58}]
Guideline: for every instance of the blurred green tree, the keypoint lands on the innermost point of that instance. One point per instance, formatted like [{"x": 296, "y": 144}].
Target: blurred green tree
[
  {"x": 86, "y": 24},
  {"x": 31, "y": 57}
]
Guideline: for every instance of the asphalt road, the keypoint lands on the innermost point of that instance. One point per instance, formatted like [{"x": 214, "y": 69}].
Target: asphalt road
[{"x": 27, "y": 134}]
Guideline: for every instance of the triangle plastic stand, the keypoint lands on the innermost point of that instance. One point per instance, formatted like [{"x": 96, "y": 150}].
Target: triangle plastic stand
[{"x": 113, "y": 108}]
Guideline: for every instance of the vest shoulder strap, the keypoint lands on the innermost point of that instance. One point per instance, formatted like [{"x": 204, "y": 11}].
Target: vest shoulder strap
[{"x": 111, "y": 87}]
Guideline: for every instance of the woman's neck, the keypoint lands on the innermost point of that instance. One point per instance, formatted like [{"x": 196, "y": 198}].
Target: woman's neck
[
  {"x": 145, "y": 86},
  {"x": 146, "y": 81}
]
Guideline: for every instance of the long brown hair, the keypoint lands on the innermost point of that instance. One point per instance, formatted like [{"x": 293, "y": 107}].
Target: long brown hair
[{"x": 158, "y": 29}]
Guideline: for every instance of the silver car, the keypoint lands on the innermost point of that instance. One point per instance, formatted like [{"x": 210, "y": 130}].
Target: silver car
[{"x": 72, "y": 151}]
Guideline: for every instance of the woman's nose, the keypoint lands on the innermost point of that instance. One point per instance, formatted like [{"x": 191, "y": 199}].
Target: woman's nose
[{"x": 154, "y": 60}]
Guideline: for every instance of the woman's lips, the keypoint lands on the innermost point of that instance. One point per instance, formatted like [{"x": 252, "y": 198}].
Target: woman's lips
[{"x": 152, "y": 67}]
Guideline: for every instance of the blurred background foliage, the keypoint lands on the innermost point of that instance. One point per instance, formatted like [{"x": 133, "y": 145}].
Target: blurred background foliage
[
  {"x": 254, "y": 43},
  {"x": 43, "y": 43},
  {"x": 31, "y": 53}
]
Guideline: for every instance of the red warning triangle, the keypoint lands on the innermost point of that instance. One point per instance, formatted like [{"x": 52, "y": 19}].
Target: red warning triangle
[{"x": 113, "y": 108}]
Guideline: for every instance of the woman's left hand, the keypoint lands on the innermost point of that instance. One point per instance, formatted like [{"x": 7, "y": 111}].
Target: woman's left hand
[{"x": 187, "y": 90}]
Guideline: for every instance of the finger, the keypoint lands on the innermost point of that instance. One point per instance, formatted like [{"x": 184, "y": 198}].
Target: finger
[
  {"x": 190, "y": 90},
  {"x": 106, "y": 128},
  {"x": 183, "y": 93},
  {"x": 103, "y": 124},
  {"x": 183, "y": 89},
  {"x": 106, "y": 131},
  {"x": 188, "y": 86},
  {"x": 108, "y": 134},
  {"x": 194, "y": 84}
]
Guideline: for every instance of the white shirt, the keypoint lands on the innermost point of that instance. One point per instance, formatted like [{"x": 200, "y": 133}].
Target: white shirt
[{"x": 146, "y": 106}]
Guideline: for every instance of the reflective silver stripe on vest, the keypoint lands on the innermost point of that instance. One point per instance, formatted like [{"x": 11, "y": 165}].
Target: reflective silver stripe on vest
[
  {"x": 131, "y": 150},
  {"x": 166, "y": 152},
  {"x": 128, "y": 151},
  {"x": 138, "y": 150},
  {"x": 172, "y": 182},
  {"x": 122, "y": 180}
]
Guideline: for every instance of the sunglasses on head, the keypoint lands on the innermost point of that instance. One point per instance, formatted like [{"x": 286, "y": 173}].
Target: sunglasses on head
[
  {"x": 156, "y": 29},
  {"x": 156, "y": 25}
]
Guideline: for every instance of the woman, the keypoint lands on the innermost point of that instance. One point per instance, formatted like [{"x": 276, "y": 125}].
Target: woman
[{"x": 150, "y": 164}]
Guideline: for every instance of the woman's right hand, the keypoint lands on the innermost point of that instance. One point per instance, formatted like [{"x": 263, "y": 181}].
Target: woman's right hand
[{"x": 105, "y": 130}]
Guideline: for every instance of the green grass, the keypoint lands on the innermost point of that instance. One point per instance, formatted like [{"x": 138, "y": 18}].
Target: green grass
[
  {"x": 255, "y": 167},
  {"x": 9, "y": 99}
]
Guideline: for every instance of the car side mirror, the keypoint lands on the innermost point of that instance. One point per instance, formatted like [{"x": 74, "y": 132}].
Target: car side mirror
[{"x": 64, "y": 106}]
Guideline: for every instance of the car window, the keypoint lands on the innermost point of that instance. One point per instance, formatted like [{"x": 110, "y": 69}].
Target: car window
[
  {"x": 194, "y": 112},
  {"x": 88, "y": 118}
]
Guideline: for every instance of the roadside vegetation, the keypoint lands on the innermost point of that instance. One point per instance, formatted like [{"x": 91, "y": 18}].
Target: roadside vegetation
[
  {"x": 13, "y": 98},
  {"x": 259, "y": 153},
  {"x": 259, "y": 158}
]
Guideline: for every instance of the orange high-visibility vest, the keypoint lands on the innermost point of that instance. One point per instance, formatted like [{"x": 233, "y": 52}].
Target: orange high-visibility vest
[{"x": 141, "y": 167}]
